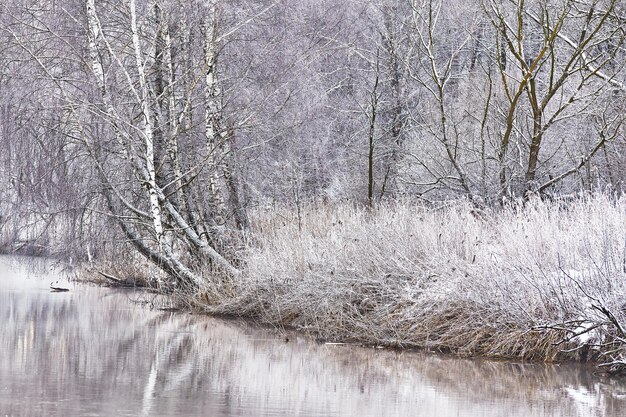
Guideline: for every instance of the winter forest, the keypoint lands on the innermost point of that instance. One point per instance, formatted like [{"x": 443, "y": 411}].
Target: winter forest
[{"x": 414, "y": 173}]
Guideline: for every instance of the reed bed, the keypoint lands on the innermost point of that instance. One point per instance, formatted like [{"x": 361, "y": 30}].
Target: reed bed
[{"x": 539, "y": 281}]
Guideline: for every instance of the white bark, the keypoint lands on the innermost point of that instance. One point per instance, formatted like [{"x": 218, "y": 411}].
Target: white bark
[
  {"x": 148, "y": 129},
  {"x": 212, "y": 114}
]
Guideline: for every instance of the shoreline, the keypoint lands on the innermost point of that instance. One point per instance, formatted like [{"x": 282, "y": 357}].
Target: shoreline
[
  {"x": 541, "y": 282},
  {"x": 285, "y": 331}
]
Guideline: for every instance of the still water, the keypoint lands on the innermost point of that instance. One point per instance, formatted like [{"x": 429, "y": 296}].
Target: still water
[{"x": 97, "y": 352}]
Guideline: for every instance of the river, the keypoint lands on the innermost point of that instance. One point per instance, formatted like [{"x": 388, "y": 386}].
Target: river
[{"x": 101, "y": 352}]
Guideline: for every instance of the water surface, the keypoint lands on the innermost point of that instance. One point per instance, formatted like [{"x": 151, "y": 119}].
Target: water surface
[{"x": 97, "y": 352}]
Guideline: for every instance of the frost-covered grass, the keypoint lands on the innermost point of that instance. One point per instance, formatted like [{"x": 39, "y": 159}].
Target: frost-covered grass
[{"x": 515, "y": 282}]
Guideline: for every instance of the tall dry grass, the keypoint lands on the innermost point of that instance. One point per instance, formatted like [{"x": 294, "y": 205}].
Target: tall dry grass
[{"x": 524, "y": 281}]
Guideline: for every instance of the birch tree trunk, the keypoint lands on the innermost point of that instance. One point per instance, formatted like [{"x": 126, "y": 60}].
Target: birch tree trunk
[
  {"x": 212, "y": 114},
  {"x": 148, "y": 129}
]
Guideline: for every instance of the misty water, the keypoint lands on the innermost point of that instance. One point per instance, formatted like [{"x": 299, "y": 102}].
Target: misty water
[{"x": 101, "y": 352}]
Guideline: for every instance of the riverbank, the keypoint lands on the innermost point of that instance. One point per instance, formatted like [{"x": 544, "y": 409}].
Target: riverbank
[{"x": 544, "y": 281}]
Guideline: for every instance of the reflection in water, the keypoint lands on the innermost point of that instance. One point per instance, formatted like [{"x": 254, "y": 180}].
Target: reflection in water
[{"x": 92, "y": 352}]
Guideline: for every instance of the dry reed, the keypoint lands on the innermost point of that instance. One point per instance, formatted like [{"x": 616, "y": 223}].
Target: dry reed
[{"x": 520, "y": 282}]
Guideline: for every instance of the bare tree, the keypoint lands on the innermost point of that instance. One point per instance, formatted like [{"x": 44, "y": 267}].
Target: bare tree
[{"x": 558, "y": 60}]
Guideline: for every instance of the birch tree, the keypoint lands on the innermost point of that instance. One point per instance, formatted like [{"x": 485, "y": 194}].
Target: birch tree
[{"x": 141, "y": 155}]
